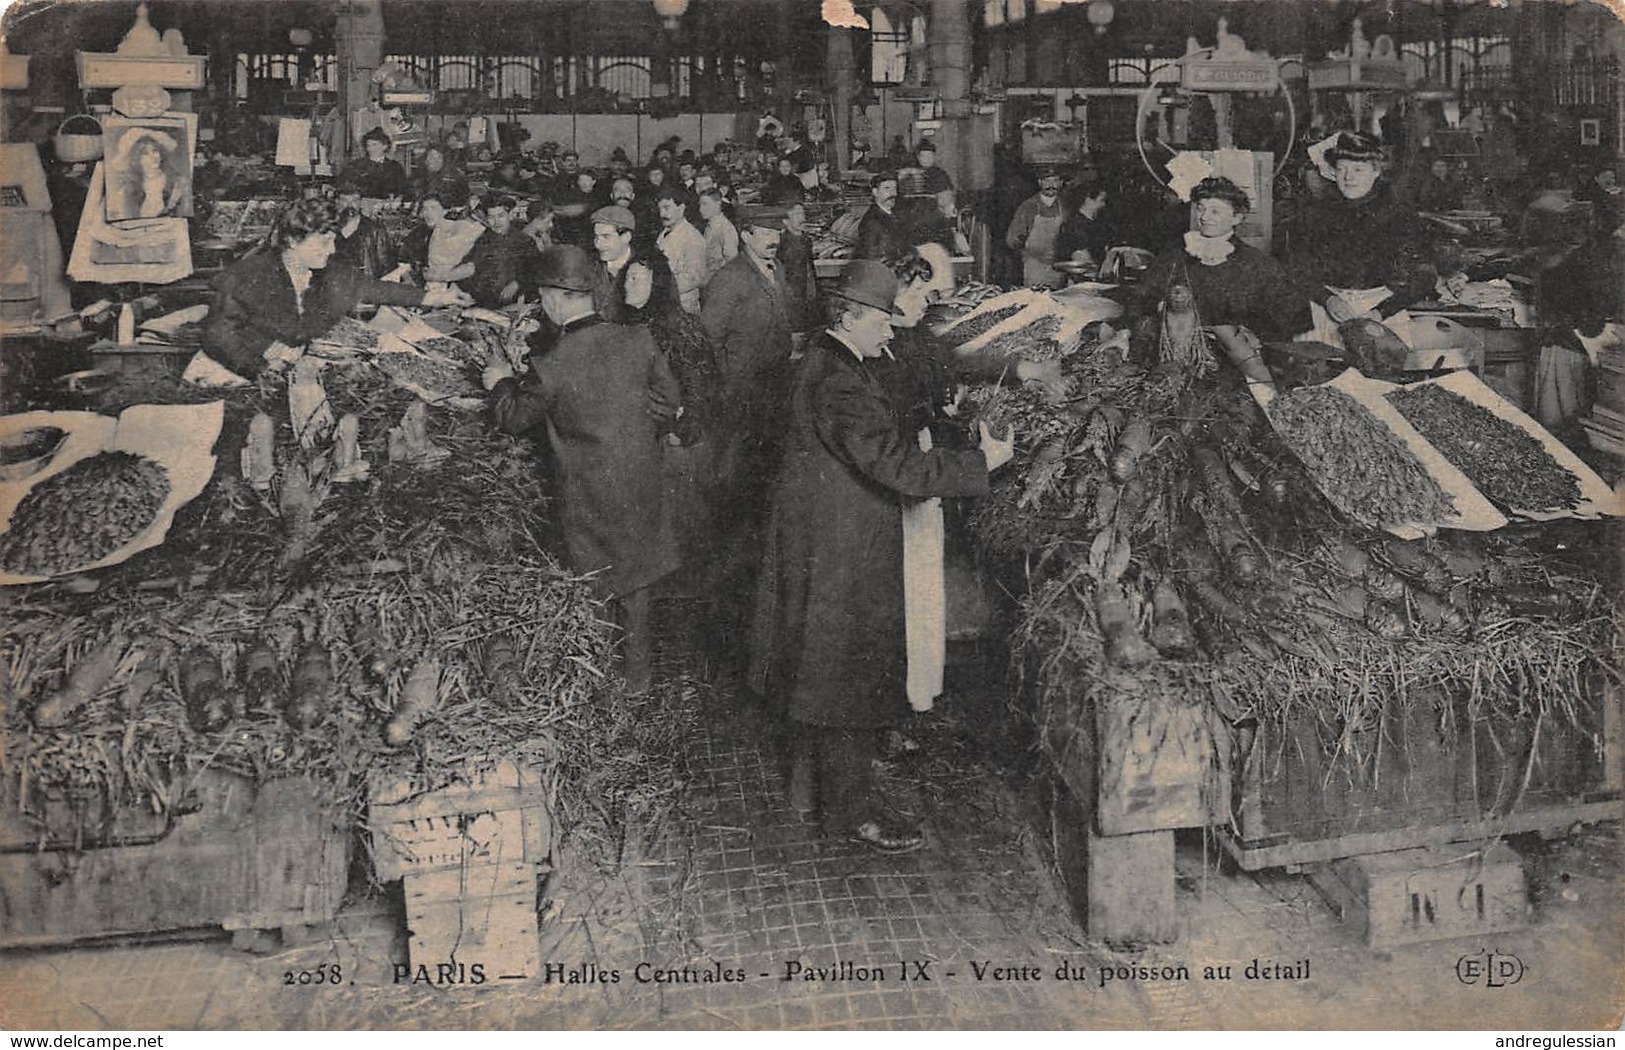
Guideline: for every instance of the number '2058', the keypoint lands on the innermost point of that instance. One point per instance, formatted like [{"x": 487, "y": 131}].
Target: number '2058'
[{"x": 322, "y": 974}]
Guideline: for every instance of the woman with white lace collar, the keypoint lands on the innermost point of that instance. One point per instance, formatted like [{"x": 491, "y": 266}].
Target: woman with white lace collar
[{"x": 1232, "y": 283}]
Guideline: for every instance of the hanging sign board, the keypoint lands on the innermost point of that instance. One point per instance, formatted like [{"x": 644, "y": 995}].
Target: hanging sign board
[
  {"x": 98, "y": 70},
  {"x": 1249, "y": 75}
]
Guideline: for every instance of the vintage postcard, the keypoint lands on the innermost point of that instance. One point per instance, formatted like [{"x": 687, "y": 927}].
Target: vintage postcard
[{"x": 812, "y": 514}]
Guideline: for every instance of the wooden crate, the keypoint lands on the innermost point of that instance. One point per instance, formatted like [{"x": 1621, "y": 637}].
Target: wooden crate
[
  {"x": 1422, "y": 771},
  {"x": 1157, "y": 768},
  {"x": 1432, "y": 894},
  {"x": 141, "y": 359},
  {"x": 1147, "y": 760},
  {"x": 1121, "y": 886},
  {"x": 496, "y": 816},
  {"x": 480, "y": 915},
  {"x": 1509, "y": 362},
  {"x": 233, "y": 854}
]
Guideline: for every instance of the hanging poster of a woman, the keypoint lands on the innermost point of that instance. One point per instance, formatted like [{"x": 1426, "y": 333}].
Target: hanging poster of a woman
[{"x": 149, "y": 172}]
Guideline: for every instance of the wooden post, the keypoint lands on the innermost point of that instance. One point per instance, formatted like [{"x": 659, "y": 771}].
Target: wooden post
[
  {"x": 838, "y": 73},
  {"x": 359, "y": 42}
]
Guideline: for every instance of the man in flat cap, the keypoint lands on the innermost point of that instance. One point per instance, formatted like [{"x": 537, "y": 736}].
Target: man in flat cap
[
  {"x": 603, "y": 397},
  {"x": 629, "y": 283},
  {"x": 746, "y": 309}
]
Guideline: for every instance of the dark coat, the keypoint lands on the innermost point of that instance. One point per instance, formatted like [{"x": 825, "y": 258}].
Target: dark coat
[
  {"x": 679, "y": 335},
  {"x": 936, "y": 180},
  {"x": 827, "y": 638},
  {"x": 801, "y": 280},
  {"x": 369, "y": 249},
  {"x": 1376, "y": 240},
  {"x": 501, "y": 259},
  {"x": 414, "y": 247},
  {"x": 254, "y": 306},
  {"x": 748, "y": 320},
  {"x": 605, "y": 396},
  {"x": 384, "y": 178},
  {"x": 1249, "y": 288},
  {"x": 1079, "y": 232},
  {"x": 881, "y": 236}
]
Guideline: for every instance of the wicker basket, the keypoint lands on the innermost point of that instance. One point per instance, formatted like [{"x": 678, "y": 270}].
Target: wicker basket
[{"x": 78, "y": 139}]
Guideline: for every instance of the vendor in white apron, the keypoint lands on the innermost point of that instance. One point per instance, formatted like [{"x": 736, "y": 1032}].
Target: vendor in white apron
[
  {"x": 1360, "y": 252},
  {"x": 1033, "y": 230}
]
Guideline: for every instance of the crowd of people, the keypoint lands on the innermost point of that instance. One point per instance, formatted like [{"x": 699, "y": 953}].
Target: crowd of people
[{"x": 704, "y": 405}]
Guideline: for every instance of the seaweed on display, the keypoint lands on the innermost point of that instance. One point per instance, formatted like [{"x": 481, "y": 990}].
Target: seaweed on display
[
  {"x": 452, "y": 562},
  {"x": 1505, "y": 462}
]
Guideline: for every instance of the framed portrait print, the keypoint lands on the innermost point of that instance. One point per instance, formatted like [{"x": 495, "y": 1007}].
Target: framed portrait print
[
  {"x": 1590, "y": 131},
  {"x": 148, "y": 166}
]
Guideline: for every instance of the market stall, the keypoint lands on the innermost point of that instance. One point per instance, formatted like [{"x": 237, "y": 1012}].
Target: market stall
[
  {"x": 1351, "y": 610},
  {"x": 248, "y": 627},
  {"x": 1340, "y": 619}
]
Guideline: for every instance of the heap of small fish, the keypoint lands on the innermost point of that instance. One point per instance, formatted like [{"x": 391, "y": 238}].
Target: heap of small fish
[{"x": 83, "y": 514}]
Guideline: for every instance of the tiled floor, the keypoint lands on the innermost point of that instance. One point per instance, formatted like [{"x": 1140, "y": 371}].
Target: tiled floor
[{"x": 738, "y": 882}]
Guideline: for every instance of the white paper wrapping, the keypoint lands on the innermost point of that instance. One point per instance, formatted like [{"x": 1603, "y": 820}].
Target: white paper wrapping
[
  {"x": 1596, "y": 498},
  {"x": 179, "y": 438},
  {"x": 1474, "y": 513}
]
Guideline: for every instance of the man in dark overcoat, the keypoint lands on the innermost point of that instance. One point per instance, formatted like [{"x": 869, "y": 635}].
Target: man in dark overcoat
[
  {"x": 605, "y": 398},
  {"x": 746, "y": 310},
  {"x": 827, "y": 646},
  {"x": 880, "y": 232}
]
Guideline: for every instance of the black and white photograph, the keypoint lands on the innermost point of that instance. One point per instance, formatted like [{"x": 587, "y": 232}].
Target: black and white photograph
[
  {"x": 810, "y": 515},
  {"x": 149, "y": 171}
]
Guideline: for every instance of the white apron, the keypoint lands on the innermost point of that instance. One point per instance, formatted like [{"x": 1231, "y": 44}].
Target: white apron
[
  {"x": 1035, "y": 272},
  {"x": 924, "y": 597}
]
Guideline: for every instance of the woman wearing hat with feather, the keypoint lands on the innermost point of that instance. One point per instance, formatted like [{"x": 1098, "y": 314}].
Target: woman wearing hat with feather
[
  {"x": 1360, "y": 252},
  {"x": 827, "y": 644}
]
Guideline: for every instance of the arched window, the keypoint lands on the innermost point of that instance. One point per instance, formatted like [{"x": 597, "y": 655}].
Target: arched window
[{"x": 623, "y": 76}]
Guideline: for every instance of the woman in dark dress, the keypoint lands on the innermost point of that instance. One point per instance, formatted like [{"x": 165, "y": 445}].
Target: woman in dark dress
[
  {"x": 270, "y": 303},
  {"x": 441, "y": 179},
  {"x": 375, "y": 174},
  {"x": 1360, "y": 251},
  {"x": 362, "y": 240},
  {"x": 828, "y": 638},
  {"x": 1085, "y": 234},
  {"x": 1231, "y": 284}
]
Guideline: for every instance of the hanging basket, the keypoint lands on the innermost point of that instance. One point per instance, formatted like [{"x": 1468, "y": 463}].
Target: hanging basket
[{"x": 78, "y": 139}]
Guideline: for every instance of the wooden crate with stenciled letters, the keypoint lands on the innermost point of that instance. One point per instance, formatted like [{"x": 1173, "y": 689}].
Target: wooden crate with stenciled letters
[{"x": 495, "y": 816}]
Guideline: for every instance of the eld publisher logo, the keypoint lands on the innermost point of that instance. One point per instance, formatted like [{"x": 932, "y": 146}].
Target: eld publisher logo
[{"x": 1491, "y": 969}]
